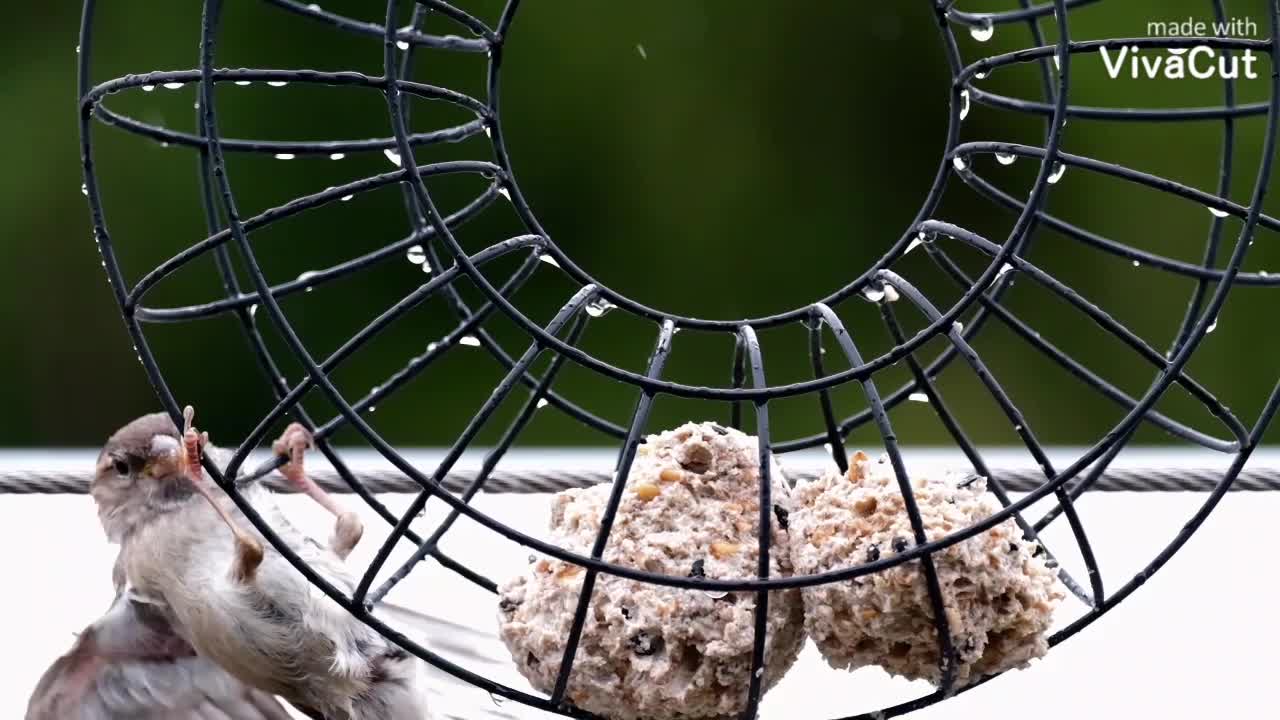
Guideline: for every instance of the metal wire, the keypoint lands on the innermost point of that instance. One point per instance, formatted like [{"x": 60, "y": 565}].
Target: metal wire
[{"x": 229, "y": 242}]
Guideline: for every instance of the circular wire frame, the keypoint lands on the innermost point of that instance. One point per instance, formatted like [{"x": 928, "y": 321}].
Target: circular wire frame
[{"x": 228, "y": 241}]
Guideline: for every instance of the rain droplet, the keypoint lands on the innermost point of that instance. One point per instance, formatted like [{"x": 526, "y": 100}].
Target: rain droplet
[
  {"x": 469, "y": 341},
  {"x": 505, "y": 193},
  {"x": 548, "y": 259},
  {"x": 426, "y": 267},
  {"x": 242, "y": 83},
  {"x": 959, "y": 163},
  {"x": 919, "y": 240},
  {"x": 715, "y": 594},
  {"x": 644, "y": 55},
  {"x": 1005, "y": 268},
  {"x": 77, "y": 49},
  {"x": 416, "y": 255},
  {"x": 304, "y": 277},
  {"x": 1212, "y": 326},
  {"x": 393, "y": 156},
  {"x": 277, "y": 83},
  {"x": 345, "y": 198},
  {"x": 1263, "y": 273},
  {"x": 431, "y": 346},
  {"x": 313, "y": 7},
  {"x": 1059, "y": 170},
  {"x": 918, "y": 397},
  {"x": 980, "y": 76},
  {"x": 173, "y": 85},
  {"x": 285, "y": 156},
  {"x": 488, "y": 132},
  {"x": 891, "y": 293},
  {"x": 959, "y": 326},
  {"x": 148, "y": 88},
  {"x": 336, "y": 156},
  {"x": 253, "y": 310},
  {"x": 599, "y": 307},
  {"x": 373, "y": 408},
  {"x": 1219, "y": 213},
  {"x": 543, "y": 402},
  {"x": 1006, "y": 158},
  {"x": 984, "y": 31},
  {"x": 964, "y": 104},
  {"x": 760, "y": 672},
  {"x": 873, "y": 294},
  {"x": 84, "y": 189},
  {"x": 1137, "y": 263},
  {"x": 402, "y": 44}
]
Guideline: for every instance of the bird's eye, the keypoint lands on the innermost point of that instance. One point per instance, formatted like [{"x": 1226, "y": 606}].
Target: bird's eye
[{"x": 122, "y": 467}]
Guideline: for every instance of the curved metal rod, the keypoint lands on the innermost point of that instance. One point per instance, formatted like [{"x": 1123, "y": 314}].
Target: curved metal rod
[
  {"x": 1017, "y": 420},
  {"x": 657, "y": 361},
  {"x": 765, "y": 463},
  {"x": 406, "y": 35},
  {"x": 280, "y": 212},
  {"x": 460, "y": 445},
  {"x": 946, "y": 647},
  {"x": 1076, "y": 368},
  {"x": 1101, "y": 317}
]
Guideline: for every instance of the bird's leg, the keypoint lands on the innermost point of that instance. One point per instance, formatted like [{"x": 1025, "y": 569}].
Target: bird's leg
[
  {"x": 347, "y": 528},
  {"x": 248, "y": 549}
]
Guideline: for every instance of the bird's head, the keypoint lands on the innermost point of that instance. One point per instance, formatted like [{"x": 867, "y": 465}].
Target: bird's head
[{"x": 139, "y": 475}]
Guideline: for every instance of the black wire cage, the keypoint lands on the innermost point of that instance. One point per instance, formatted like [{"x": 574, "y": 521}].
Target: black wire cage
[{"x": 747, "y": 384}]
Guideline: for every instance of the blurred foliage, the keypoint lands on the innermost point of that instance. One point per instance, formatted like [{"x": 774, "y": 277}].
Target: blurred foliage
[{"x": 714, "y": 158}]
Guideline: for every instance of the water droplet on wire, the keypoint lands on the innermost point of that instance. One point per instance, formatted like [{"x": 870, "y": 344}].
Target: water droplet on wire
[
  {"x": 416, "y": 255},
  {"x": 504, "y": 192},
  {"x": 549, "y": 259},
  {"x": 304, "y": 277},
  {"x": 148, "y": 88},
  {"x": 980, "y": 76},
  {"x": 1212, "y": 326},
  {"x": 983, "y": 31},
  {"x": 1006, "y": 158},
  {"x": 393, "y": 156},
  {"x": 84, "y": 189},
  {"x": 599, "y": 307},
  {"x": 644, "y": 55},
  {"x": 1137, "y": 263},
  {"x": 1004, "y": 269},
  {"x": 469, "y": 341},
  {"x": 173, "y": 85},
  {"x": 253, "y": 310},
  {"x": 1059, "y": 169},
  {"x": 1219, "y": 213},
  {"x": 959, "y": 163},
  {"x": 345, "y": 198},
  {"x": 242, "y": 83},
  {"x": 337, "y": 156},
  {"x": 285, "y": 156},
  {"x": 277, "y": 83},
  {"x": 918, "y": 397},
  {"x": 964, "y": 104},
  {"x": 543, "y": 402},
  {"x": 402, "y": 44}
]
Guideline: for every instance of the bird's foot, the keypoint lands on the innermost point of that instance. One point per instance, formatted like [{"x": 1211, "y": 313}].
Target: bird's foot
[
  {"x": 347, "y": 527},
  {"x": 249, "y": 551}
]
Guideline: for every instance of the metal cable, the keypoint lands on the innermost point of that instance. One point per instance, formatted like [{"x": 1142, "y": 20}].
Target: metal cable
[{"x": 37, "y": 481}]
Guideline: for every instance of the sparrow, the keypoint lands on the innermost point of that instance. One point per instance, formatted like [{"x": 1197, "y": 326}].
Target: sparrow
[
  {"x": 131, "y": 665},
  {"x": 201, "y": 593}
]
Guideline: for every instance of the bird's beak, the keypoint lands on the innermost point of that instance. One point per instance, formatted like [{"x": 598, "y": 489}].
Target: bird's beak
[{"x": 162, "y": 460}]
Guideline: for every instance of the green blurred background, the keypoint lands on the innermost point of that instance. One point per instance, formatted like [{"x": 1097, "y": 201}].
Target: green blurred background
[{"x": 718, "y": 159}]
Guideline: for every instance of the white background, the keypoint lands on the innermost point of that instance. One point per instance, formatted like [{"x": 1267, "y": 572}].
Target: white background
[{"x": 1198, "y": 640}]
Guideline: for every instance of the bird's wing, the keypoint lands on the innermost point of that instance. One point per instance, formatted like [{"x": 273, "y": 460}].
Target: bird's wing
[
  {"x": 130, "y": 665},
  {"x": 477, "y": 651}
]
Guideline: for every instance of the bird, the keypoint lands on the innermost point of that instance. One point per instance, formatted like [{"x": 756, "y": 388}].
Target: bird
[
  {"x": 201, "y": 593},
  {"x": 129, "y": 664}
]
